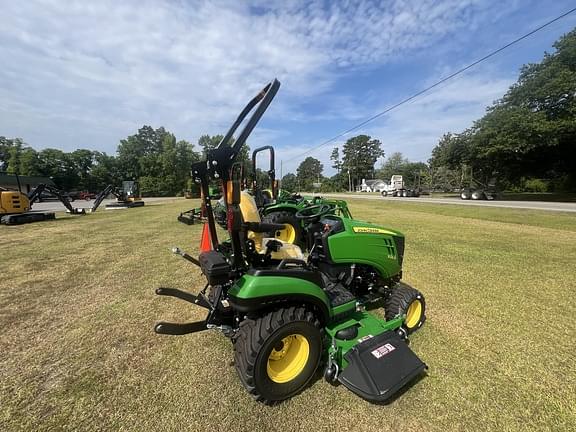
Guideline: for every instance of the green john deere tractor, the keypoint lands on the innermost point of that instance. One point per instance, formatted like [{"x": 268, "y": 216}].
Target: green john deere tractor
[
  {"x": 280, "y": 207},
  {"x": 275, "y": 206},
  {"x": 290, "y": 317}
]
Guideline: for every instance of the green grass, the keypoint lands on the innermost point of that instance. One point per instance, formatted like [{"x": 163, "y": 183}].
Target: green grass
[{"x": 77, "y": 351}]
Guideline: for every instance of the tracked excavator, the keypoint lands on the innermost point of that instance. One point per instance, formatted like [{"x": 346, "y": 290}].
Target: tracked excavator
[
  {"x": 126, "y": 197},
  {"x": 16, "y": 206}
]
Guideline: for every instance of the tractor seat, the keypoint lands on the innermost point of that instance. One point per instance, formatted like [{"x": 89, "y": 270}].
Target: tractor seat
[{"x": 257, "y": 229}]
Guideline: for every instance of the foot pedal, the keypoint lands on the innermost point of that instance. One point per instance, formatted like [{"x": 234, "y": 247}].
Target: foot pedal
[{"x": 380, "y": 366}]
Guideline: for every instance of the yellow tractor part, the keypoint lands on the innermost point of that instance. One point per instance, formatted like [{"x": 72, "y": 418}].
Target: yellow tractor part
[
  {"x": 413, "y": 314},
  {"x": 12, "y": 202},
  {"x": 288, "y": 234},
  {"x": 288, "y": 359}
]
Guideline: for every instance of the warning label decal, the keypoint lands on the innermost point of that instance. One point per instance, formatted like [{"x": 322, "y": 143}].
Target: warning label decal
[
  {"x": 383, "y": 350},
  {"x": 363, "y": 338}
]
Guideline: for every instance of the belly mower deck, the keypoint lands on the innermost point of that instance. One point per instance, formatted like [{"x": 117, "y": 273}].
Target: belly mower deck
[
  {"x": 380, "y": 366},
  {"x": 371, "y": 357}
]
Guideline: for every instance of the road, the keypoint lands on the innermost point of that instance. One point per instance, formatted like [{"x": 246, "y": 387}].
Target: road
[
  {"x": 531, "y": 205},
  {"x": 58, "y": 206}
]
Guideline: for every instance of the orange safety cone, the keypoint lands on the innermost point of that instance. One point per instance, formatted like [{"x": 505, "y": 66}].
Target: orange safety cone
[{"x": 205, "y": 240}]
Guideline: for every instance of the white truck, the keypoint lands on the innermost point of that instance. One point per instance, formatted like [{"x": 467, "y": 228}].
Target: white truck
[{"x": 396, "y": 188}]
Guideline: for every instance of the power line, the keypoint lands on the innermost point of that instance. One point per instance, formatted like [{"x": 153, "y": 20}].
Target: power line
[{"x": 443, "y": 80}]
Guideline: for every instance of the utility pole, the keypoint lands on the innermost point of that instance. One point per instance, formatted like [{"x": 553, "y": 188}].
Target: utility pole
[{"x": 349, "y": 181}]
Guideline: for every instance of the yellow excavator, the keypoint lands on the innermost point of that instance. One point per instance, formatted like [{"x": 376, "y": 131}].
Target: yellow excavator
[
  {"x": 126, "y": 197},
  {"x": 16, "y": 206}
]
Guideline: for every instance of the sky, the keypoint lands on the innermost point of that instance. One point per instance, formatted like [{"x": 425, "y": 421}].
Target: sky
[{"x": 86, "y": 74}]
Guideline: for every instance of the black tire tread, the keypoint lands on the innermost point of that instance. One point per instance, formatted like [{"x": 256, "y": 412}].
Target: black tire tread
[
  {"x": 402, "y": 295},
  {"x": 252, "y": 334}
]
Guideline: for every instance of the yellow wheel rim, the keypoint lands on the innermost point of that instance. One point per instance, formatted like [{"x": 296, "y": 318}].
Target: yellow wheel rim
[
  {"x": 288, "y": 234},
  {"x": 288, "y": 358},
  {"x": 413, "y": 314}
]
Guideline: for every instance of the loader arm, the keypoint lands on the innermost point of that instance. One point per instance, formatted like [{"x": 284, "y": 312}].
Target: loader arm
[
  {"x": 35, "y": 195},
  {"x": 102, "y": 195}
]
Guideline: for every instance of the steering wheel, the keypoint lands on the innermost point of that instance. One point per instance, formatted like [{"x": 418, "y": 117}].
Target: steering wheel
[{"x": 313, "y": 212}]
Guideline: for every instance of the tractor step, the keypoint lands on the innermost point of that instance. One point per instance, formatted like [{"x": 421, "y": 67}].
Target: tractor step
[
  {"x": 380, "y": 366},
  {"x": 338, "y": 294}
]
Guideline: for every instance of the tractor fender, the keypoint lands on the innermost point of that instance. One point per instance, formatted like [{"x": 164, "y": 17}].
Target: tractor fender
[{"x": 252, "y": 293}]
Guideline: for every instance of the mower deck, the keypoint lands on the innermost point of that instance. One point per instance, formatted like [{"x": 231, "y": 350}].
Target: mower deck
[{"x": 380, "y": 366}]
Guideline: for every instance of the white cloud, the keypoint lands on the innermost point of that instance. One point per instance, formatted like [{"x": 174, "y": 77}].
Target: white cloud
[
  {"x": 79, "y": 73},
  {"x": 415, "y": 128}
]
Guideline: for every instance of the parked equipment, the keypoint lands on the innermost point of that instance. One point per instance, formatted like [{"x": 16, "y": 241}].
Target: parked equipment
[
  {"x": 197, "y": 215},
  {"x": 274, "y": 205},
  {"x": 280, "y": 207},
  {"x": 476, "y": 190},
  {"x": 15, "y": 206},
  {"x": 127, "y": 197},
  {"x": 397, "y": 188},
  {"x": 288, "y": 316}
]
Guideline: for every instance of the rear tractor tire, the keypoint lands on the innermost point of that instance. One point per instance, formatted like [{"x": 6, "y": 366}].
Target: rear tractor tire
[
  {"x": 409, "y": 302},
  {"x": 465, "y": 194},
  {"x": 292, "y": 233},
  {"x": 276, "y": 355}
]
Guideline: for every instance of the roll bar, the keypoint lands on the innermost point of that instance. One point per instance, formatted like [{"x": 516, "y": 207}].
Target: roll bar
[
  {"x": 220, "y": 160},
  {"x": 271, "y": 172}
]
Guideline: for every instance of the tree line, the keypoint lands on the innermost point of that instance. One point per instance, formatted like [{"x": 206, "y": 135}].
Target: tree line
[
  {"x": 154, "y": 157},
  {"x": 526, "y": 141},
  {"x": 356, "y": 162}
]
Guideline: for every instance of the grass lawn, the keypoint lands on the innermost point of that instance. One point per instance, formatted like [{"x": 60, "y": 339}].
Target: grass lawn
[{"x": 77, "y": 307}]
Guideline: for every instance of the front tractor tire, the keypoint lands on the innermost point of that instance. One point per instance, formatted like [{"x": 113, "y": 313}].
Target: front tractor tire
[
  {"x": 292, "y": 233},
  {"x": 409, "y": 302},
  {"x": 276, "y": 355}
]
